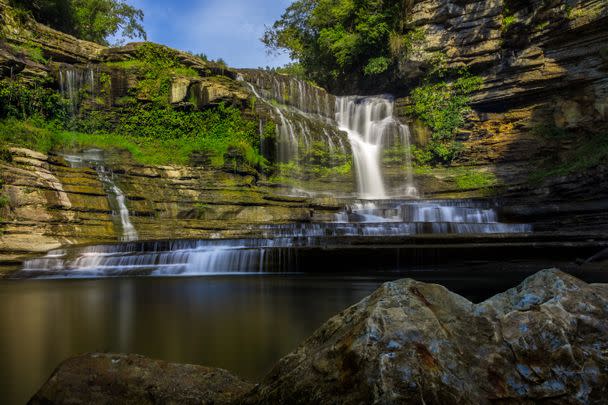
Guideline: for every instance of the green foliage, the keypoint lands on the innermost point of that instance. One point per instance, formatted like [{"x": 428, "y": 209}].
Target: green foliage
[
  {"x": 507, "y": 21},
  {"x": 376, "y": 66},
  {"x": 31, "y": 52},
  {"x": 293, "y": 69},
  {"x": 152, "y": 136},
  {"x": 27, "y": 133},
  {"x": 58, "y": 14},
  {"x": 156, "y": 65},
  {"x": 421, "y": 156},
  {"x": 474, "y": 179},
  {"x": 589, "y": 153},
  {"x": 5, "y": 154},
  {"x": 22, "y": 100},
  {"x": 93, "y": 20},
  {"x": 215, "y": 131},
  {"x": 443, "y": 106},
  {"x": 334, "y": 39}
]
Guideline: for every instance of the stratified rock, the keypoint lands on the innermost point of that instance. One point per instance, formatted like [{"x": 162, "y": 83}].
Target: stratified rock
[
  {"x": 411, "y": 342},
  {"x": 132, "y": 379}
]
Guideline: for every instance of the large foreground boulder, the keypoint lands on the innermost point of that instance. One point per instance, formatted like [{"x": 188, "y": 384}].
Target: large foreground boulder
[
  {"x": 545, "y": 341},
  {"x": 417, "y": 343},
  {"x": 132, "y": 379}
]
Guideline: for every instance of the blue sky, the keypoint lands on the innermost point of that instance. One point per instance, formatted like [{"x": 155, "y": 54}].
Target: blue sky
[{"x": 228, "y": 29}]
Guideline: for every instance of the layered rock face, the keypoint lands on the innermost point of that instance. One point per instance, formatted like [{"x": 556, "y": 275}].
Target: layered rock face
[
  {"x": 412, "y": 342},
  {"x": 407, "y": 343},
  {"x": 544, "y": 67},
  {"x": 53, "y": 204}
]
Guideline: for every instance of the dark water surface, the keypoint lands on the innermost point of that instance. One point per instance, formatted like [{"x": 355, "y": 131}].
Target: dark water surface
[{"x": 240, "y": 323}]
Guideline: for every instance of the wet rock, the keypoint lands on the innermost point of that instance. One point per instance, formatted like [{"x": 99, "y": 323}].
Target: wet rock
[
  {"x": 132, "y": 379},
  {"x": 411, "y": 342}
]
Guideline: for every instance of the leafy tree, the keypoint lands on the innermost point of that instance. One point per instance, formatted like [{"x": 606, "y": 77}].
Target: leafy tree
[
  {"x": 335, "y": 39},
  {"x": 58, "y": 14},
  {"x": 97, "y": 20},
  {"x": 93, "y": 20}
]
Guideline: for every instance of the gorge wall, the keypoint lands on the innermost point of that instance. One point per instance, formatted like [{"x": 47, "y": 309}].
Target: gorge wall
[{"x": 544, "y": 72}]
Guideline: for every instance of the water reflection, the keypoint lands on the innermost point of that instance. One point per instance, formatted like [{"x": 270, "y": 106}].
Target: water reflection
[{"x": 243, "y": 323}]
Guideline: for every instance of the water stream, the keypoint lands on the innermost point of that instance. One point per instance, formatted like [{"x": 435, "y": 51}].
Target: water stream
[
  {"x": 370, "y": 124},
  {"x": 305, "y": 115},
  {"x": 95, "y": 158}
]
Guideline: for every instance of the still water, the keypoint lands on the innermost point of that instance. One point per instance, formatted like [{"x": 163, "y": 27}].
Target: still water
[{"x": 240, "y": 323}]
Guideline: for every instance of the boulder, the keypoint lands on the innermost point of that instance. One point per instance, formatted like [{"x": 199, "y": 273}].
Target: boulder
[
  {"x": 131, "y": 379},
  {"x": 411, "y": 342}
]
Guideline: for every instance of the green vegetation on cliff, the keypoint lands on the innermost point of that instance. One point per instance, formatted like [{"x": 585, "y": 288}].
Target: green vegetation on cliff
[
  {"x": 151, "y": 135},
  {"x": 92, "y": 20},
  {"x": 443, "y": 106},
  {"x": 589, "y": 152}
]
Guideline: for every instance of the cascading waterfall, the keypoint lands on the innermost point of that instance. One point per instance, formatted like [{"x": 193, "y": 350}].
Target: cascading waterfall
[
  {"x": 277, "y": 247},
  {"x": 305, "y": 115},
  {"x": 95, "y": 158},
  {"x": 370, "y": 125},
  {"x": 128, "y": 230},
  {"x": 72, "y": 81}
]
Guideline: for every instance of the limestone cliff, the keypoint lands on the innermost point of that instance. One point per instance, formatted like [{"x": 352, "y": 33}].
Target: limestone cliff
[{"x": 544, "y": 69}]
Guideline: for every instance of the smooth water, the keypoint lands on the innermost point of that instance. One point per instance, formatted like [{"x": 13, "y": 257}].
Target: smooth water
[
  {"x": 371, "y": 126},
  {"x": 243, "y": 323}
]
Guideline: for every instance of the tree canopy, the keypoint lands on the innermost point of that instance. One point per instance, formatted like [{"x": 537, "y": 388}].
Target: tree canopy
[
  {"x": 93, "y": 20},
  {"x": 333, "y": 39}
]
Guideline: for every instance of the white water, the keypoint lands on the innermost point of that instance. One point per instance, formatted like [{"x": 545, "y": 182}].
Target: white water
[
  {"x": 128, "y": 230},
  {"x": 370, "y": 125},
  {"x": 303, "y": 115},
  {"x": 71, "y": 83},
  {"x": 94, "y": 158}
]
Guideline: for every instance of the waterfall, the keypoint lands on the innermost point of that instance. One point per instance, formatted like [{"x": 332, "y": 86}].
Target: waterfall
[
  {"x": 72, "y": 80},
  {"x": 304, "y": 116},
  {"x": 277, "y": 248},
  {"x": 128, "y": 230},
  {"x": 116, "y": 197},
  {"x": 370, "y": 125}
]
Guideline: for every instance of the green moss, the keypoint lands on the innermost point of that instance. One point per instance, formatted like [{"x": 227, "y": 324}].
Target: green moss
[
  {"x": 466, "y": 179},
  {"x": 541, "y": 26},
  {"x": 508, "y": 21},
  {"x": 589, "y": 154},
  {"x": 574, "y": 13},
  {"x": 30, "y": 51}
]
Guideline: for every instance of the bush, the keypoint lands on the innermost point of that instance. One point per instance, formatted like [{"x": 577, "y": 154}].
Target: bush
[
  {"x": 376, "y": 66},
  {"x": 20, "y": 100},
  {"x": 443, "y": 106}
]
